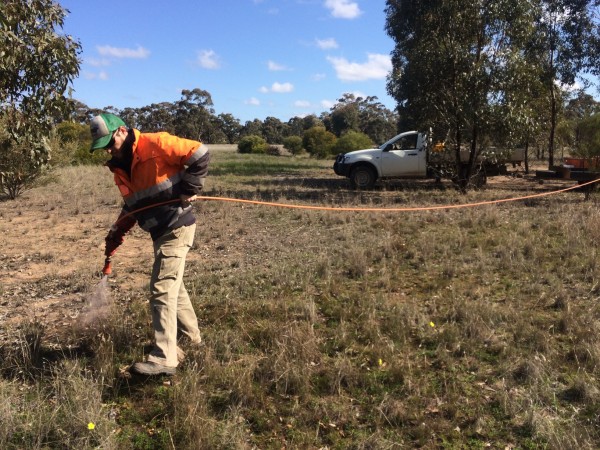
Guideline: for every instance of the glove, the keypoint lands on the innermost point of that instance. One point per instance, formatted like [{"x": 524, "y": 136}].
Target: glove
[
  {"x": 113, "y": 240},
  {"x": 116, "y": 234}
]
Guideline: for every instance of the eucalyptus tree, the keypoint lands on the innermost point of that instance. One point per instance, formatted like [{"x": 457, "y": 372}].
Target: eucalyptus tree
[
  {"x": 295, "y": 126},
  {"x": 567, "y": 41},
  {"x": 344, "y": 115},
  {"x": 217, "y": 135},
  {"x": 452, "y": 62},
  {"x": 581, "y": 106},
  {"x": 37, "y": 64},
  {"x": 588, "y": 136},
  {"x": 310, "y": 121},
  {"x": 80, "y": 113},
  {"x": 362, "y": 114},
  {"x": 131, "y": 116},
  {"x": 580, "y": 117},
  {"x": 154, "y": 117},
  {"x": 252, "y": 128},
  {"x": 193, "y": 117},
  {"x": 273, "y": 130},
  {"x": 375, "y": 120},
  {"x": 230, "y": 126}
]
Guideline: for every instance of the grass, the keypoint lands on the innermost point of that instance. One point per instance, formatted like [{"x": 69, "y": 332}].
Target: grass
[{"x": 474, "y": 328}]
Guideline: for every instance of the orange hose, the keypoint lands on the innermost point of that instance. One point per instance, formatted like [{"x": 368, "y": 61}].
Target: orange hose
[
  {"x": 363, "y": 209},
  {"x": 406, "y": 209}
]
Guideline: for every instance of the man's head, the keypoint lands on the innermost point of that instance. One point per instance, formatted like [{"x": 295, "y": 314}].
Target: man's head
[{"x": 106, "y": 130}]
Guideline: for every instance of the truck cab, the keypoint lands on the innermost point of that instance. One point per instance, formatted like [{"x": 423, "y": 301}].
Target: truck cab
[{"x": 403, "y": 156}]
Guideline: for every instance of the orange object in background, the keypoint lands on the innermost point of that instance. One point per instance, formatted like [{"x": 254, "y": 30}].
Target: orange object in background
[
  {"x": 576, "y": 163},
  {"x": 583, "y": 163}
]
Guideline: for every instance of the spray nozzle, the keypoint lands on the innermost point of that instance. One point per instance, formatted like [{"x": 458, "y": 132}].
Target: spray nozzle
[{"x": 107, "y": 269}]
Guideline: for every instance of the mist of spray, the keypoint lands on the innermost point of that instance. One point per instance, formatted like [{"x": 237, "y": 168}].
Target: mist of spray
[{"x": 98, "y": 304}]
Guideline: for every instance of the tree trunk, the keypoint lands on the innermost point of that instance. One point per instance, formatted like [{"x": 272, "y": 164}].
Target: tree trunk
[
  {"x": 526, "y": 155},
  {"x": 552, "y": 127},
  {"x": 457, "y": 156},
  {"x": 472, "y": 154}
]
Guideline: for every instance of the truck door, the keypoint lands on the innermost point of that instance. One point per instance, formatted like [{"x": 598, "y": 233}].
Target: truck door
[{"x": 403, "y": 158}]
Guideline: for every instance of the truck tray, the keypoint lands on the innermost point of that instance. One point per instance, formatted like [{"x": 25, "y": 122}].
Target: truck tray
[{"x": 567, "y": 173}]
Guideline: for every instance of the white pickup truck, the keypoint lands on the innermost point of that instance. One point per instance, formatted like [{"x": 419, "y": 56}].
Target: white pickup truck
[{"x": 408, "y": 155}]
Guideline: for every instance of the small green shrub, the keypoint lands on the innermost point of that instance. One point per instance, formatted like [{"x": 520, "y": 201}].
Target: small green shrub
[
  {"x": 293, "y": 144},
  {"x": 71, "y": 131},
  {"x": 82, "y": 155},
  {"x": 352, "y": 140},
  {"x": 22, "y": 160},
  {"x": 252, "y": 144},
  {"x": 319, "y": 142},
  {"x": 70, "y": 145},
  {"x": 589, "y": 136}
]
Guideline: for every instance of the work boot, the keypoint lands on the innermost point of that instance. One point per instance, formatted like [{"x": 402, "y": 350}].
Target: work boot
[{"x": 151, "y": 368}]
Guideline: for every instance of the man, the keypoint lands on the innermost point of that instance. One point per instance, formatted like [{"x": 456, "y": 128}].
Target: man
[{"x": 158, "y": 175}]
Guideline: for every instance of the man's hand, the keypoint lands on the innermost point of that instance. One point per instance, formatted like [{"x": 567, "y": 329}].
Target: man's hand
[
  {"x": 113, "y": 240},
  {"x": 186, "y": 200},
  {"x": 116, "y": 235}
]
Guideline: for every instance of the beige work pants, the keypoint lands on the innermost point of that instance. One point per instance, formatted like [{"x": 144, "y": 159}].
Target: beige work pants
[{"x": 172, "y": 310}]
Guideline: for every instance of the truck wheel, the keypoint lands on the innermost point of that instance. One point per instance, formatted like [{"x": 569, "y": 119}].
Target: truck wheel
[{"x": 362, "y": 177}]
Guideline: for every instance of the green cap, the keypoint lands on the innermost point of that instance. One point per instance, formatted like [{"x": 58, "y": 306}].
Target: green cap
[{"x": 102, "y": 128}]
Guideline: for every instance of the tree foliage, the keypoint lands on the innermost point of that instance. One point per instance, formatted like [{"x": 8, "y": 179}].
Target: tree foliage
[
  {"x": 194, "y": 112},
  {"x": 588, "y": 139},
  {"x": 352, "y": 140},
  {"x": 252, "y": 144},
  {"x": 293, "y": 144},
  {"x": 362, "y": 114},
  {"x": 318, "y": 142},
  {"x": 36, "y": 66},
  {"x": 19, "y": 166},
  {"x": 230, "y": 126}
]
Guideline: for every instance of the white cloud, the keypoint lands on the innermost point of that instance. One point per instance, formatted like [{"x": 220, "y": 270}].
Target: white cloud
[
  {"x": 343, "y": 9},
  {"x": 327, "y": 44},
  {"x": 253, "y": 101},
  {"x": 377, "y": 67},
  {"x": 277, "y": 88},
  {"x": 282, "y": 88},
  {"x": 115, "y": 52},
  {"x": 302, "y": 104},
  {"x": 208, "y": 59},
  {"x": 98, "y": 62},
  {"x": 102, "y": 75},
  {"x": 275, "y": 67},
  {"x": 318, "y": 76},
  {"x": 327, "y": 104}
]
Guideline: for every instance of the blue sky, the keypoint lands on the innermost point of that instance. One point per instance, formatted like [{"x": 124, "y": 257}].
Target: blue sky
[{"x": 257, "y": 58}]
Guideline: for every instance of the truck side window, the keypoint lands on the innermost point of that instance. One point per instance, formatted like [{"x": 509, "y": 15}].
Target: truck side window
[{"x": 407, "y": 142}]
